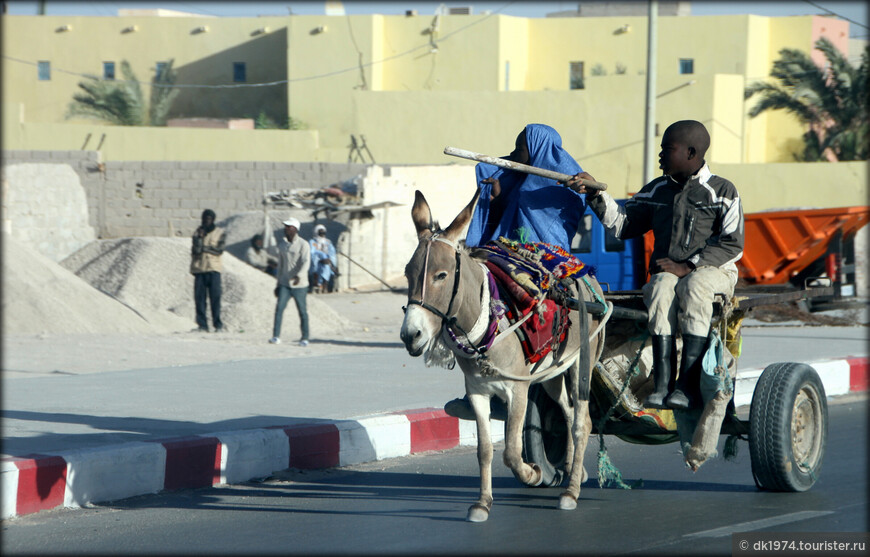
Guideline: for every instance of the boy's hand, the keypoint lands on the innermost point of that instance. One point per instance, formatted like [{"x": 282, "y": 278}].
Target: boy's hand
[
  {"x": 670, "y": 266},
  {"x": 574, "y": 184},
  {"x": 496, "y": 187}
]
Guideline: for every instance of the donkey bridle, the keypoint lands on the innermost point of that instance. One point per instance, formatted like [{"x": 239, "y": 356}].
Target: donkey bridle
[{"x": 445, "y": 317}]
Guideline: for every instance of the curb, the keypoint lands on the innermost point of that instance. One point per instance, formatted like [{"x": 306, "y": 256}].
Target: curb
[{"x": 76, "y": 478}]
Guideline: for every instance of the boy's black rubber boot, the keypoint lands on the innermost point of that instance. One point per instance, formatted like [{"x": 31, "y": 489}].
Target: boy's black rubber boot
[
  {"x": 664, "y": 365},
  {"x": 461, "y": 408},
  {"x": 687, "y": 392}
]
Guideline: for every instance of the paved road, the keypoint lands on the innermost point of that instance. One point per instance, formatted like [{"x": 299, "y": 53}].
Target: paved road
[
  {"x": 416, "y": 506},
  {"x": 70, "y": 411}
]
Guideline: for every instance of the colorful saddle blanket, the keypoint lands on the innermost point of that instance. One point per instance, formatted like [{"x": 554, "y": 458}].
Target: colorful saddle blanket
[{"x": 525, "y": 275}]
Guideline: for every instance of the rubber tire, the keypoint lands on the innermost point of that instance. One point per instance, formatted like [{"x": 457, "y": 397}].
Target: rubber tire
[
  {"x": 771, "y": 419},
  {"x": 545, "y": 437}
]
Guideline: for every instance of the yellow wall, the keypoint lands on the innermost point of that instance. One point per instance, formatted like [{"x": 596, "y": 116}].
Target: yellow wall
[
  {"x": 200, "y": 57},
  {"x": 160, "y": 144},
  {"x": 376, "y": 76},
  {"x": 796, "y": 185}
]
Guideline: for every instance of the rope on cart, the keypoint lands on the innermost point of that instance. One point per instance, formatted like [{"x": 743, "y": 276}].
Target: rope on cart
[{"x": 607, "y": 472}]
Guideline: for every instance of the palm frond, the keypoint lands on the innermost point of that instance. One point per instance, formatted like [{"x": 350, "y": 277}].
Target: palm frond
[{"x": 831, "y": 102}]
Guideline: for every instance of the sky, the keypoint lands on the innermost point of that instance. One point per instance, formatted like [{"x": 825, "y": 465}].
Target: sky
[{"x": 854, "y": 10}]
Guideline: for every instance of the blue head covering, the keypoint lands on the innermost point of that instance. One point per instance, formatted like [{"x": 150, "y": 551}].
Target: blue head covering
[{"x": 536, "y": 209}]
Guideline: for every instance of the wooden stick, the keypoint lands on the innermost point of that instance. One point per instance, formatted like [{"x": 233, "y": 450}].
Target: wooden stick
[{"x": 510, "y": 165}]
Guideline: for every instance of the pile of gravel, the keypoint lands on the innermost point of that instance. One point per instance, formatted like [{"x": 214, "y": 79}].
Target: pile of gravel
[
  {"x": 152, "y": 276},
  {"x": 241, "y": 227},
  {"x": 41, "y": 297}
]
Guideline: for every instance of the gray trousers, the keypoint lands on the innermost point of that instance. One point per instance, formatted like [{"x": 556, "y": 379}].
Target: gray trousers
[{"x": 685, "y": 304}]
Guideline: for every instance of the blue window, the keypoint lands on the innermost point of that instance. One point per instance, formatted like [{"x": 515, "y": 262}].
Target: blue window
[
  {"x": 687, "y": 65},
  {"x": 239, "y": 73},
  {"x": 43, "y": 70},
  {"x": 160, "y": 67},
  {"x": 108, "y": 70}
]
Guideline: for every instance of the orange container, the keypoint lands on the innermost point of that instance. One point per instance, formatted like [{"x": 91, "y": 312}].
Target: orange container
[{"x": 780, "y": 244}]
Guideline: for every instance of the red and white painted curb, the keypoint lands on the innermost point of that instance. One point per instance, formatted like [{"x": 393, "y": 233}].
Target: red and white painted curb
[{"x": 75, "y": 478}]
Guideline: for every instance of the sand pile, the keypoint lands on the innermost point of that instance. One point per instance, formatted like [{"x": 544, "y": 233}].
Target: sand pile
[
  {"x": 241, "y": 227},
  {"x": 40, "y": 296},
  {"x": 152, "y": 275}
]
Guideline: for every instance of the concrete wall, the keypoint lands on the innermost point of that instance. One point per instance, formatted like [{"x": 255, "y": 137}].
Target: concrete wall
[
  {"x": 797, "y": 185},
  {"x": 154, "y": 198},
  {"x": 129, "y": 143},
  {"x": 149, "y": 198},
  {"x": 45, "y": 206}
]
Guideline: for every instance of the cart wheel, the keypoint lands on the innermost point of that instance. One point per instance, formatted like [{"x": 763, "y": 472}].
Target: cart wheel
[
  {"x": 788, "y": 427},
  {"x": 545, "y": 436}
]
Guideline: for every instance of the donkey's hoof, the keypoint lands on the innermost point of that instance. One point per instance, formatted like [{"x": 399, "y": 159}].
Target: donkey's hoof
[
  {"x": 477, "y": 513},
  {"x": 538, "y": 479},
  {"x": 567, "y": 502},
  {"x": 583, "y": 475}
]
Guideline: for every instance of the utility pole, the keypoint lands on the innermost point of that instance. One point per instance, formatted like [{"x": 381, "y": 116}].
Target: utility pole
[
  {"x": 649, "y": 138},
  {"x": 41, "y": 8}
]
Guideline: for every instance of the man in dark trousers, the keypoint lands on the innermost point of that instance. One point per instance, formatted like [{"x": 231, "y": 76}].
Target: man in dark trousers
[{"x": 206, "y": 267}]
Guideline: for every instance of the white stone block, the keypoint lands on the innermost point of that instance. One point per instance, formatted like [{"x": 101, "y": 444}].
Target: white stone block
[
  {"x": 8, "y": 490},
  {"x": 250, "y": 454},
  {"x": 374, "y": 438},
  {"x": 113, "y": 472}
]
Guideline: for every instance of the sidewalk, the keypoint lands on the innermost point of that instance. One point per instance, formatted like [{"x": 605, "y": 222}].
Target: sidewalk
[{"x": 88, "y": 427}]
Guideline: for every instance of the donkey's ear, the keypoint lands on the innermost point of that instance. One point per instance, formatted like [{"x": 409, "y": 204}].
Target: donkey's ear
[
  {"x": 421, "y": 214},
  {"x": 454, "y": 231}
]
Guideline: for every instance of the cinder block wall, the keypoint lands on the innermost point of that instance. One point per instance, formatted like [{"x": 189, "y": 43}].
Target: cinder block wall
[
  {"x": 45, "y": 205},
  {"x": 154, "y": 198}
]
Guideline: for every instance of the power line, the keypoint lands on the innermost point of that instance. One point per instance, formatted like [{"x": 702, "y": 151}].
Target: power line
[
  {"x": 829, "y": 12},
  {"x": 281, "y": 81}
]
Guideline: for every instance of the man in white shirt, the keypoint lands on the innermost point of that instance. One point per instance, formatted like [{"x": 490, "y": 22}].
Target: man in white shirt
[{"x": 294, "y": 259}]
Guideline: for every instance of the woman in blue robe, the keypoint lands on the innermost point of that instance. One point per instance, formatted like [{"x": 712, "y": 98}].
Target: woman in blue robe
[{"x": 523, "y": 206}]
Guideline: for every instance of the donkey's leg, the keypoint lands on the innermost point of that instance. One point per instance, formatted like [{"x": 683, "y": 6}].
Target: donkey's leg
[
  {"x": 558, "y": 391},
  {"x": 580, "y": 374},
  {"x": 513, "y": 437},
  {"x": 479, "y": 512},
  {"x": 582, "y": 427}
]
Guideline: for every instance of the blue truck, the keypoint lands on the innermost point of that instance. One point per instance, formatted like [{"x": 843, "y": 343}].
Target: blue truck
[{"x": 619, "y": 263}]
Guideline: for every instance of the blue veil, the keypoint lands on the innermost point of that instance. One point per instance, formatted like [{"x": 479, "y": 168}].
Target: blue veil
[{"x": 536, "y": 209}]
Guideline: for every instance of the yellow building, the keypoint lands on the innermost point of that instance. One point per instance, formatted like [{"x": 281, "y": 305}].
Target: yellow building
[{"x": 407, "y": 86}]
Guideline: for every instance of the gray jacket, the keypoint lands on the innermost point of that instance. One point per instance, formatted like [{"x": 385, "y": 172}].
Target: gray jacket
[
  {"x": 700, "y": 223},
  {"x": 294, "y": 258}
]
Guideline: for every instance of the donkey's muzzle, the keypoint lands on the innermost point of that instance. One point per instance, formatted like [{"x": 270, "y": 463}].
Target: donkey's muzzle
[{"x": 411, "y": 338}]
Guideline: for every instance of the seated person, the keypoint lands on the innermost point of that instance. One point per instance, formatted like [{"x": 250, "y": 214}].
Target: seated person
[
  {"x": 697, "y": 220},
  {"x": 324, "y": 264},
  {"x": 258, "y": 257},
  {"x": 524, "y": 207}
]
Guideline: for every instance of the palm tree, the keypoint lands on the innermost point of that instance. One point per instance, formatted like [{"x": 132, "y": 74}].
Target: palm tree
[
  {"x": 830, "y": 101},
  {"x": 163, "y": 93},
  {"x": 121, "y": 102}
]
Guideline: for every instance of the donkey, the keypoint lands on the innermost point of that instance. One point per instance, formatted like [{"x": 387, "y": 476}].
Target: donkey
[{"x": 448, "y": 294}]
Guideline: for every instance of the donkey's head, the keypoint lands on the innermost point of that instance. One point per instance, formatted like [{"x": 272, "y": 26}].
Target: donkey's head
[{"x": 432, "y": 275}]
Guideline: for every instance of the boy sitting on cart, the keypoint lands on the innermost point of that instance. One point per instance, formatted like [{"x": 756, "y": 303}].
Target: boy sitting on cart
[{"x": 697, "y": 220}]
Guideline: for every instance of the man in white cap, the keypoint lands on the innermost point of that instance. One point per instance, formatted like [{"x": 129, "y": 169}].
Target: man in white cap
[{"x": 294, "y": 258}]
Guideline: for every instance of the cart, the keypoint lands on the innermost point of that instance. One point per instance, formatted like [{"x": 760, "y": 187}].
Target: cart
[{"x": 787, "y": 425}]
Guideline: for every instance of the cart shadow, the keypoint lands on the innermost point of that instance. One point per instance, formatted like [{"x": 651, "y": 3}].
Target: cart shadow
[
  {"x": 664, "y": 485},
  {"x": 351, "y": 493}
]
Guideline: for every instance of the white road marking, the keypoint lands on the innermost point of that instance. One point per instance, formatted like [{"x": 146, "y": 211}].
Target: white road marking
[{"x": 757, "y": 524}]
